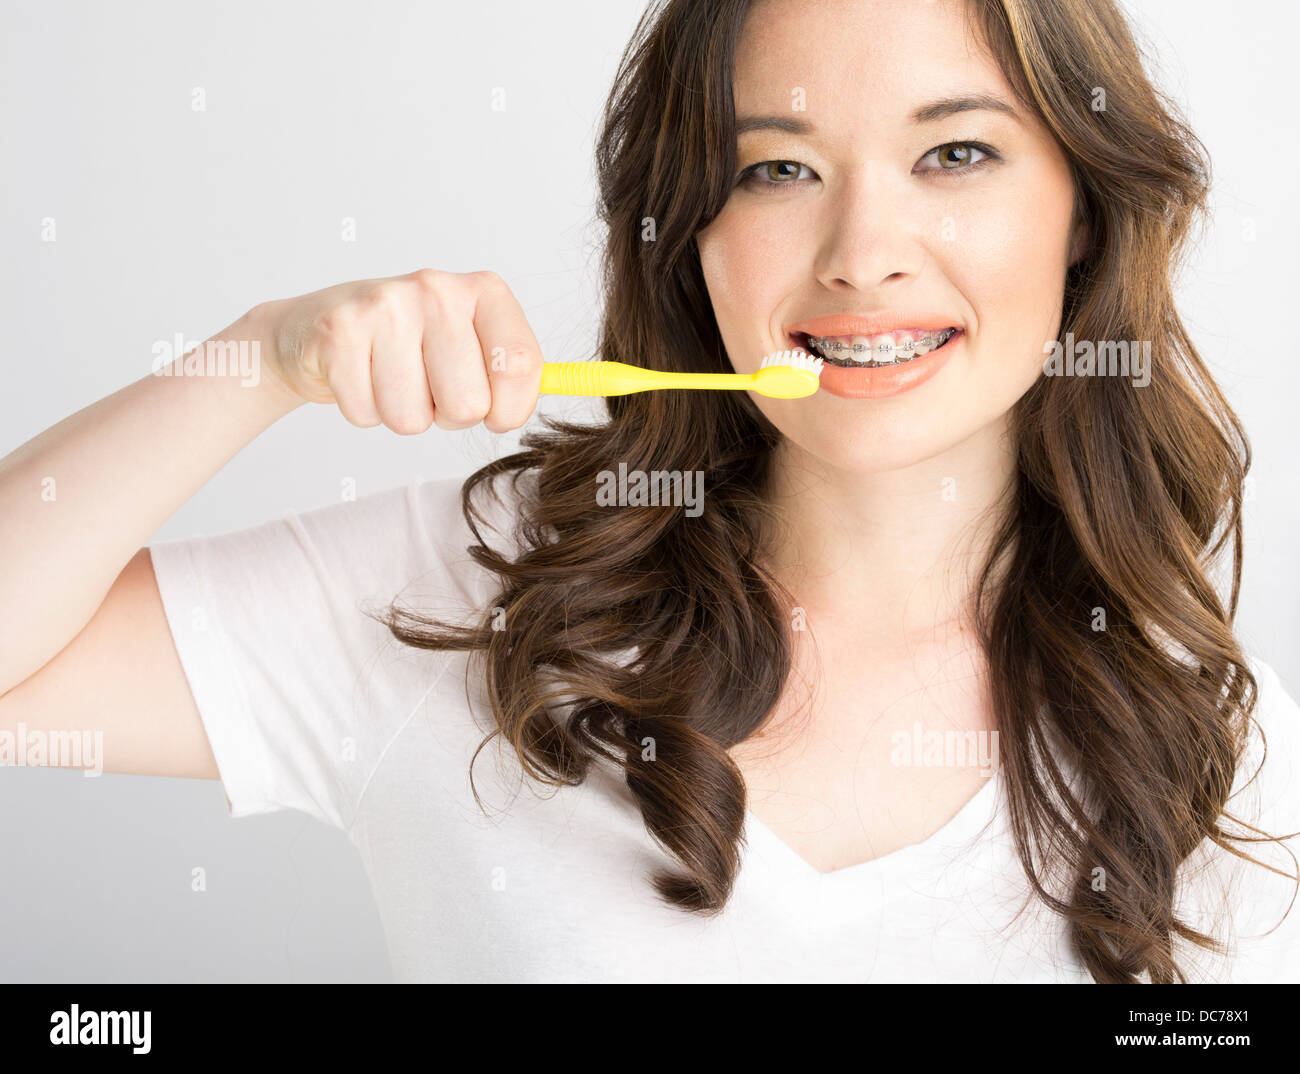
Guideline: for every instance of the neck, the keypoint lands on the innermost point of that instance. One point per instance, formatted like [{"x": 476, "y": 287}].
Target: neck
[{"x": 889, "y": 556}]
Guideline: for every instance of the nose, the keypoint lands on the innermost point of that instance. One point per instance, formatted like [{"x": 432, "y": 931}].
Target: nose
[{"x": 869, "y": 234}]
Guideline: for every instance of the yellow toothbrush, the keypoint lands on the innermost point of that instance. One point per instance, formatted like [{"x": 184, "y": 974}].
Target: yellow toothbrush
[{"x": 783, "y": 375}]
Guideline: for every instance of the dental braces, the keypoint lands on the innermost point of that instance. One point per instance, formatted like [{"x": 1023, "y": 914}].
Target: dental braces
[{"x": 890, "y": 353}]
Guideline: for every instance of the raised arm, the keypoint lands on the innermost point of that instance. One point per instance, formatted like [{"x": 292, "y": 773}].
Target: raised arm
[{"x": 84, "y": 643}]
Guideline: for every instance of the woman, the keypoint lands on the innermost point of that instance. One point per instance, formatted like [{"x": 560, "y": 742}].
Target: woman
[{"x": 935, "y": 686}]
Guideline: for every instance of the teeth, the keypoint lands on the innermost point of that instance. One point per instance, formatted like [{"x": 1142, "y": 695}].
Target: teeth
[{"x": 888, "y": 348}]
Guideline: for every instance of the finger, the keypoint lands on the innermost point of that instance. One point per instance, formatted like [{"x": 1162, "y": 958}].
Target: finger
[
  {"x": 344, "y": 356},
  {"x": 398, "y": 379},
  {"x": 453, "y": 359},
  {"x": 513, "y": 356}
]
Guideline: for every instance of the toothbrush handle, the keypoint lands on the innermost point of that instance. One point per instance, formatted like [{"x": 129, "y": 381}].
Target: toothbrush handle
[
  {"x": 618, "y": 378},
  {"x": 571, "y": 378}
]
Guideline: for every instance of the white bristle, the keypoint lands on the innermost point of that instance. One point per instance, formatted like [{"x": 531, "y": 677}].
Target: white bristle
[{"x": 795, "y": 359}]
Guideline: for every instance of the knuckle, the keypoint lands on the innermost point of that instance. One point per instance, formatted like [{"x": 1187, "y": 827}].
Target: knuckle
[
  {"x": 410, "y": 422},
  {"x": 443, "y": 303},
  {"x": 498, "y": 423},
  {"x": 337, "y": 322},
  {"x": 385, "y": 301},
  {"x": 515, "y": 362},
  {"x": 486, "y": 278},
  {"x": 465, "y": 409},
  {"x": 358, "y": 414},
  {"x": 428, "y": 280}
]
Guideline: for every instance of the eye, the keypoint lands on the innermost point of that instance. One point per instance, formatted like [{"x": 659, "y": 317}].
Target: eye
[
  {"x": 765, "y": 175},
  {"x": 957, "y": 157}
]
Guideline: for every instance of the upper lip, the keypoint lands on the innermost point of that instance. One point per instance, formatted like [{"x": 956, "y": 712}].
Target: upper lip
[{"x": 869, "y": 324}]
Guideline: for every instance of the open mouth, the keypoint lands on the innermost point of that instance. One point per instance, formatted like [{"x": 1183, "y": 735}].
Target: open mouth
[{"x": 872, "y": 352}]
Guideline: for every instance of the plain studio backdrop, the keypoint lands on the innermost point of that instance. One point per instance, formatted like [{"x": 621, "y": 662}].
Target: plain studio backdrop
[{"x": 196, "y": 159}]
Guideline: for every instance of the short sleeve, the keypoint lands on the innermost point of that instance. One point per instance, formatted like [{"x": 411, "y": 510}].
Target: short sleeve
[
  {"x": 1273, "y": 798},
  {"x": 1275, "y": 750},
  {"x": 299, "y": 689},
  {"x": 1246, "y": 903}
]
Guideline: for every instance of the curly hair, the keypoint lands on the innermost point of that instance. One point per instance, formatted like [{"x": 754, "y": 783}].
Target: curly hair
[{"x": 1123, "y": 500}]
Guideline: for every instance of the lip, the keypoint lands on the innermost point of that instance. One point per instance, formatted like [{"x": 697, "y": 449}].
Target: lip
[
  {"x": 887, "y": 380},
  {"x": 852, "y": 324}
]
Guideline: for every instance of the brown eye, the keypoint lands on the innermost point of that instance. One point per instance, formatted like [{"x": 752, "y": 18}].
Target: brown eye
[
  {"x": 774, "y": 172},
  {"x": 767, "y": 175},
  {"x": 954, "y": 156}
]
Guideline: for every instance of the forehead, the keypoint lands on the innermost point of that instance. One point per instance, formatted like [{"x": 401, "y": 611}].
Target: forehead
[{"x": 854, "y": 65}]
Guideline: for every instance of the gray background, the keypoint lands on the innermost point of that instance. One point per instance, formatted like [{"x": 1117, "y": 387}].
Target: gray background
[{"x": 171, "y": 220}]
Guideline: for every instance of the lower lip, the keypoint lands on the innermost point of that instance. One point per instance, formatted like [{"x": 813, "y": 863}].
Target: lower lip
[{"x": 886, "y": 380}]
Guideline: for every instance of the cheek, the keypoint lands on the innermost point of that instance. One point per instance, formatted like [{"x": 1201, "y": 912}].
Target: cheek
[
  {"x": 747, "y": 264},
  {"x": 1016, "y": 251},
  {"x": 1012, "y": 268}
]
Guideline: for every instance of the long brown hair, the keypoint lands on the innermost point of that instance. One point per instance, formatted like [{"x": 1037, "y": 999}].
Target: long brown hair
[{"x": 1125, "y": 500}]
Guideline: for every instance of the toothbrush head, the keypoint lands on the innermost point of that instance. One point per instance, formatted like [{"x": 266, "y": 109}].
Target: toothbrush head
[{"x": 788, "y": 375}]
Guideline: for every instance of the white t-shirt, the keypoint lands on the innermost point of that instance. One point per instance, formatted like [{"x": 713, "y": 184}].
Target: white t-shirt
[{"x": 311, "y": 705}]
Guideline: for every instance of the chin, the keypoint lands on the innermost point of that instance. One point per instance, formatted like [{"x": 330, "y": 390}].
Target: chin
[{"x": 866, "y": 455}]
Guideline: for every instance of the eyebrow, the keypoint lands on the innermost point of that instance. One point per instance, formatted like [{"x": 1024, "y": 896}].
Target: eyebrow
[
  {"x": 970, "y": 102},
  {"x": 927, "y": 113}
]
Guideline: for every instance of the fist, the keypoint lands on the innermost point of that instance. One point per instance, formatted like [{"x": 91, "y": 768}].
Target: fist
[{"x": 430, "y": 348}]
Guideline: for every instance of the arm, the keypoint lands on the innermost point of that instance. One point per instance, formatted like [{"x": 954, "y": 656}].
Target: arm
[
  {"x": 80, "y": 499},
  {"x": 84, "y": 641}
]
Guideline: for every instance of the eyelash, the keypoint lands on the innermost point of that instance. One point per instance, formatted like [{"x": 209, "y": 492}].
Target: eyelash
[{"x": 750, "y": 178}]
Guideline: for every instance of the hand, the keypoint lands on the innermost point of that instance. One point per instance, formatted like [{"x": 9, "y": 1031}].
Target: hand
[{"x": 445, "y": 348}]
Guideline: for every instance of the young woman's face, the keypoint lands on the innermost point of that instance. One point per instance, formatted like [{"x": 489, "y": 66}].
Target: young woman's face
[{"x": 862, "y": 212}]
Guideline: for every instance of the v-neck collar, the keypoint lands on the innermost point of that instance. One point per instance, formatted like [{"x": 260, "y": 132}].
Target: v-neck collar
[{"x": 767, "y": 853}]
